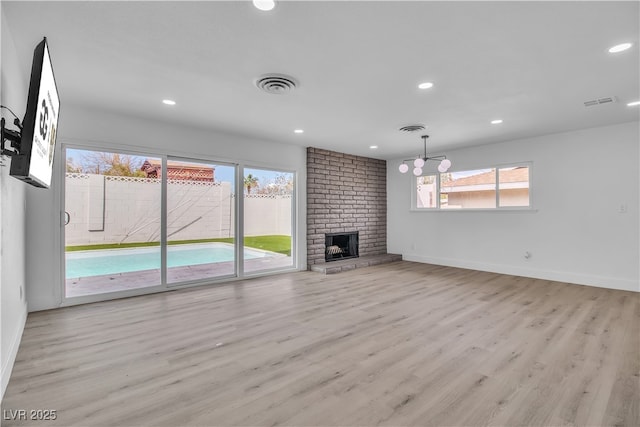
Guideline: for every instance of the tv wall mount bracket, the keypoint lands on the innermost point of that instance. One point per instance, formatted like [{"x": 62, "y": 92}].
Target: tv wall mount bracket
[{"x": 12, "y": 137}]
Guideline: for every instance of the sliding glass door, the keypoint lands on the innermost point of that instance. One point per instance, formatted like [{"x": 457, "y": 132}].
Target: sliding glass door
[
  {"x": 200, "y": 221},
  {"x": 137, "y": 221},
  {"x": 268, "y": 219},
  {"x": 112, "y": 223}
]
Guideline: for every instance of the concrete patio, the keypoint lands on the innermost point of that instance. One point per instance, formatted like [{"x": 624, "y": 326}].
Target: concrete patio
[{"x": 91, "y": 285}]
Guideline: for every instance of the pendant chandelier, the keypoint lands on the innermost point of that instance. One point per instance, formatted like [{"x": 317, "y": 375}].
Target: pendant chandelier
[{"x": 418, "y": 163}]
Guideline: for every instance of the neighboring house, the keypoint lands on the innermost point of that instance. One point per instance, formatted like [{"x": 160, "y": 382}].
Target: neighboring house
[
  {"x": 178, "y": 171},
  {"x": 479, "y": 191},
  {"x": 475, "y": 191}
]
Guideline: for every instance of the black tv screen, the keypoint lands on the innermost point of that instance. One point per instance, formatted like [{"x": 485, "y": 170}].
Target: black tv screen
[{"x": 34, "y": 163}]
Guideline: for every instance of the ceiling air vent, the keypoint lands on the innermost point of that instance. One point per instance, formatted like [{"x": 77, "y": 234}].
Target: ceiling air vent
[
  {"x": 277, "y": 84},
  {"x": 600, "y": 101},
  {"x": 412, "y": 128}
]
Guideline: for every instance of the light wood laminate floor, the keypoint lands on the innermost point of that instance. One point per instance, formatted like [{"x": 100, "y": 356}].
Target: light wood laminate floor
[{"x": 396, "y": 344}]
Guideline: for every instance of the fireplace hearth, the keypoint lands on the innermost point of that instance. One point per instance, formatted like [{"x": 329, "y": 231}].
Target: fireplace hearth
[{"x": 341, "y": 246}]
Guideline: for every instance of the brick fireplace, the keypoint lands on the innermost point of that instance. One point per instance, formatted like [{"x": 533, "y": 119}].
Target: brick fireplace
[{"x": 345, "y": 194}]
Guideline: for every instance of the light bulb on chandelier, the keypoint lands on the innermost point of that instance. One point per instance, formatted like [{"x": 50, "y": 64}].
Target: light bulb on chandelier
[
  {"x": 444, "y": 165},
  {"x": 419, "y": 163}
]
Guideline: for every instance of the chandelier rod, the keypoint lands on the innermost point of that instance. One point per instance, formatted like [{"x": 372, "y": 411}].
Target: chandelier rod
[{"x": 425, "y": 158}]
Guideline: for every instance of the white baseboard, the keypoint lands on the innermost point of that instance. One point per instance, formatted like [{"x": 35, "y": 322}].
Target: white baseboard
[
  {"x": 557, "y": 276},
  {"x": 7, "y": 366}
]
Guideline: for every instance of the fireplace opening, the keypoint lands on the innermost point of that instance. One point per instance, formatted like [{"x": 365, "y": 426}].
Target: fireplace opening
[{"x": 340, "y": 246}]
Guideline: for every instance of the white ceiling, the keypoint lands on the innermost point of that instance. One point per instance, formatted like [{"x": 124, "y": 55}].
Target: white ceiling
[{"x": 532, "y": 64}]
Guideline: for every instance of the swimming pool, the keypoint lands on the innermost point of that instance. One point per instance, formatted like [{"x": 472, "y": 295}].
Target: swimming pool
[{"x": 112, "y": 261}]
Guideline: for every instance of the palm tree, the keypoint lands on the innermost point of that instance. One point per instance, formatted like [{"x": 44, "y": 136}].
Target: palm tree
[{"x": 250, "y": 181}]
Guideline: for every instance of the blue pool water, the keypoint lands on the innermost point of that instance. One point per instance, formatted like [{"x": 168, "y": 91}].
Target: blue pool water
[{"x": 111, "y": 261}]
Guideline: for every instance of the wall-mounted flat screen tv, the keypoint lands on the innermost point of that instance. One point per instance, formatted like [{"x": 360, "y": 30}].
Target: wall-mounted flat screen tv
[{"x": 34, "y": 164}]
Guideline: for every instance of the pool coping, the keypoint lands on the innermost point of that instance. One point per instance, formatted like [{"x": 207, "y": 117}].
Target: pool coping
[{"x": 118, "y": 282}]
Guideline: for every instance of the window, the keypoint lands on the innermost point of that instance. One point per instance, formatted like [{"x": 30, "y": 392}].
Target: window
[
  {"x": 514, "y": 186},
  {"x": 474, "y": 189},
  {"x": 136, "y": 221},
  {"x": 112, "y": 223},
  {"x": 200, "y": 221},
  {"x": 489, "y": 188},
  {"x": 427, "y": 191},
  {"x": 268, "y": 219}
]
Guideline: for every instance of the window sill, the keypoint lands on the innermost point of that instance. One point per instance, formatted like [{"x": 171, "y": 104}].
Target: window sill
[{"x": 492, "y": 210}]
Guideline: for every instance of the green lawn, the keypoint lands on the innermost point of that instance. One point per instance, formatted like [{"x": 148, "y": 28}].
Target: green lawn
[{"x": 279, "y": 244}]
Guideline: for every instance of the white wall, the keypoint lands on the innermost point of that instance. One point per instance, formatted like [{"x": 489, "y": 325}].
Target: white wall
[
  {"x": 265, "y": 216},
  {"x": 107, "y": 130},
  {"x": 14, "y": 85},
  {"x": 127, "y": 209},
  {"x": 576, "y": 234},
  {"x": 113, "y": 209}
]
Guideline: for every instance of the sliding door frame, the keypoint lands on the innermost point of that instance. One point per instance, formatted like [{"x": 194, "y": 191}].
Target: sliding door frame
[
  {"x": 294, "y": 219},
  {"x": 238, "y": 223},
  {"x": 66, "y": 301},
  {"x": 236, "y": 261}
]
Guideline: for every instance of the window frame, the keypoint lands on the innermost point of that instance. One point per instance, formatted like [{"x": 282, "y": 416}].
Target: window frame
[
  {"x": 497, "y": 208},
  {"x": 165, "y": 155}
]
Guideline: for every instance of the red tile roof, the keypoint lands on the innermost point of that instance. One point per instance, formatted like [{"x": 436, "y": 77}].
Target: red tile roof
[
  {"x": 520, "y": 174},
  {"x": 179, "y": 170}
]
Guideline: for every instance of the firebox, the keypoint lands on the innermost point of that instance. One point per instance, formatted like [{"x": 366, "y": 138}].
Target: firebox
[{"x": 340, "y": 246}]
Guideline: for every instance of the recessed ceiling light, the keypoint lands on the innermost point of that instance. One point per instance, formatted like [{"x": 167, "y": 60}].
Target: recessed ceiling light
[
  {"x": 620, "y": 47},
  {"x": 633, "y": 104},
  {"x": 168, "y": 102},
  {"x": 425, "y": 85},
  {"x": 265, "y": 5},
  {"x": 298, "y": 131},
  {"x": 373, "y": 147},
  {"x": 496, "y": 122}
]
